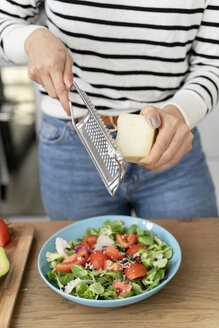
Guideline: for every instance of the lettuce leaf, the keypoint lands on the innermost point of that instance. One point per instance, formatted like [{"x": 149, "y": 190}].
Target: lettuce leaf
[
  {"x": 109, "y": 293},
  {"x": 50, "y": 257},
  {"x": 79, "y": 271},
  {"x": 145, "y": 237},
  {"x": 61, "y": 278},
  {"x": 132, "y": 229},
  {"x": 81, "y": 288},
  {"x": 111, "y": 228}
]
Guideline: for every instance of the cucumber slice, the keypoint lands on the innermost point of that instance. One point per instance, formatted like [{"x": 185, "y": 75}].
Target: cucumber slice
[{"x": 4, "y": 263}]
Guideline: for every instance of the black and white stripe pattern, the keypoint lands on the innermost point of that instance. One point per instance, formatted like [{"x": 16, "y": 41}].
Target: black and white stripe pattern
[{"x": 128, "y": 54}]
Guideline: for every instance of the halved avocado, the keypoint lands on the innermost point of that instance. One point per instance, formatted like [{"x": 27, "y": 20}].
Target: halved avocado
[{"x": 4, "y": 263}]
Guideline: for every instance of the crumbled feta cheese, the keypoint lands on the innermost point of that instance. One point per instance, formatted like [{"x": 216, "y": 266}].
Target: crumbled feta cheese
[
  {"x": 72, "y": 284},
  {"x": 61, "y": 244},
  {"x": 126, "y": 265},
  {"x": 103, "y": 240},
  {"x": 88, "y": 266}
]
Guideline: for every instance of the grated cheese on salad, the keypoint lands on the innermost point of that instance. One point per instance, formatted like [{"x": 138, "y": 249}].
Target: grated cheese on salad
[
  {"x": 102, "y": 241},
  {"x": 61, "y": 244},
  {"x": 114, "y": 278}
]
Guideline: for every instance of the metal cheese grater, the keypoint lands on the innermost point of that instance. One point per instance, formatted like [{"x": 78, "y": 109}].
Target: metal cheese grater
[{"x": 99, "y": 144}]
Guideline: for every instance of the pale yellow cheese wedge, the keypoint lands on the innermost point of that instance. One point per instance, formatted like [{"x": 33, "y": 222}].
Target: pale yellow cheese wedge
[{"x": 135, "y": 136}]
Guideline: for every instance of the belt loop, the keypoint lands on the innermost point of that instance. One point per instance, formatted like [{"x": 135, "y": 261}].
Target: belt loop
[{"x": 113, "y": 124}]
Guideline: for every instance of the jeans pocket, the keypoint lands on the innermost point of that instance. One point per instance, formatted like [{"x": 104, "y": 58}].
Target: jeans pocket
[{"x": 51, "y": 134}]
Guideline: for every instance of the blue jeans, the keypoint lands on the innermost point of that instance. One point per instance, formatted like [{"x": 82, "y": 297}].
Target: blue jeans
[{"x": 72, "y": 189}]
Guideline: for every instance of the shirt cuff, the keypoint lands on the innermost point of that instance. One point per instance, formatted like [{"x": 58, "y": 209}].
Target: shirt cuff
[
  {"x": 191, "y": 106},
  {"x": 14, "y": 37}
]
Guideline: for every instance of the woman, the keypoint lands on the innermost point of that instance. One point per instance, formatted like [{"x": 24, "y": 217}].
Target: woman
[{"x": 160, "y": 59}]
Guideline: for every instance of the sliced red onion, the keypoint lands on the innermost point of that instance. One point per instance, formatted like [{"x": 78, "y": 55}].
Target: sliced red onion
[{"x": 79, "y": 247}]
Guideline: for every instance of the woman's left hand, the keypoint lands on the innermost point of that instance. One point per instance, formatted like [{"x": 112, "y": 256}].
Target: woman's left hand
[{"x": 173, "y": 141}]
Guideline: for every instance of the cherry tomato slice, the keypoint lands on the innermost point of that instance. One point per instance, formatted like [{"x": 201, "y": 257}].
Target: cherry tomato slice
[
  {"x": 121, "y": 287},
  {"x": 113, "y": 253},
  {"x": 90, "y": 241},
  {"x": 135, "y": 248},
  {"x": 97, "y": 259},
  {"x": 135, "y": 271},
  {"x": 78, "y": 258},
  {"x": 5, "y": 236},
  {"x": 126, "y": 240}
]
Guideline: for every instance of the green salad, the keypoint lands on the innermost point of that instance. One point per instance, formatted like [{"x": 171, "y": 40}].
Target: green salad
[{"x": 110, "y": 262}]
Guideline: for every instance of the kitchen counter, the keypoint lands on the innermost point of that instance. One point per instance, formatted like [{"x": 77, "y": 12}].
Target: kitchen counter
[{"x": 189, "y": 300}]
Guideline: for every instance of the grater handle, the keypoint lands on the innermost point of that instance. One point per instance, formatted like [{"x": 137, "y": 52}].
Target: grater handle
[{"x": 71, "y": 108}]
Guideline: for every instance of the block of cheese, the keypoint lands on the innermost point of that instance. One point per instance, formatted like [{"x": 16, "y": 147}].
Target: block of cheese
[{"x": 135, "y": 136}]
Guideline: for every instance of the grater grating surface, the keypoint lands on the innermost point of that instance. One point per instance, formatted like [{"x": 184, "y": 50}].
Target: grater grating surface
[{"x": 99, "y": 144}]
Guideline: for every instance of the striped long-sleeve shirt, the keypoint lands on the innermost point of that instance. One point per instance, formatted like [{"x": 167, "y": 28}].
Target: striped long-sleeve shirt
[{"x": 127, "y": 54}]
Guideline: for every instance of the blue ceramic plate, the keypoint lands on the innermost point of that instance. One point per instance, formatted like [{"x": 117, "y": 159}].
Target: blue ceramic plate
[{"x": 76, "y": 230}]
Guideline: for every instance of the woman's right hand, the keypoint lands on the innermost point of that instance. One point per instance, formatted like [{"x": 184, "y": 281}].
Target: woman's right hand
[{"x": 49, "y": 64}]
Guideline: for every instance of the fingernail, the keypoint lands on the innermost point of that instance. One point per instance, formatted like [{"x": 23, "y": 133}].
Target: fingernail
[
  {"x": 142, "y": 166},
  {"x": 155, "y": 121}
]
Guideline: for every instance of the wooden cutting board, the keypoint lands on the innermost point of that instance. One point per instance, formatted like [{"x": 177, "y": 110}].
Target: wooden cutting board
[{"x": 17, "y": 251}]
